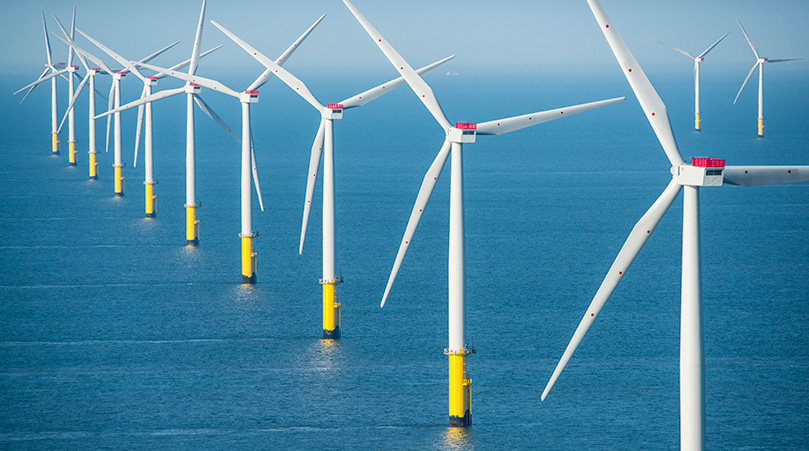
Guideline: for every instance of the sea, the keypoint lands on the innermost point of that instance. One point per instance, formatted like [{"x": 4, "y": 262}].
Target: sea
[{"x": 116, "y": 335}]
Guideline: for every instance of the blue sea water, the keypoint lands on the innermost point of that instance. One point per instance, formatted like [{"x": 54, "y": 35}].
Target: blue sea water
[{"x": 113, "y": 334}]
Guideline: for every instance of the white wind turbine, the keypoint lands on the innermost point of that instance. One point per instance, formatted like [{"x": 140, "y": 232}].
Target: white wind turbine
[
  {"x": 324, "y": 141},
  {"x": 250, "y": 95},
  {"x": 91, "y": 73},
  {"x": 697, "y": 60},
  {"x": 689, "y": 178},
  {"x": 55, "y": 70},
  {"x": 115, "y": 98},
  {"x": 760, "y": 65},
  {"x": 462, "y": 132}
]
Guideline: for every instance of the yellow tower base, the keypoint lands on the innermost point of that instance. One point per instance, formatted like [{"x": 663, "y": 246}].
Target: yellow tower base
[
  {"x": 119, "y": 181},
  {"x": 71, "y": 153},
  {"x": 696, "y": 121},
  {"x": 151, "y": 203},
  {"x": 93, "y": 166},
  {"x": 331, "y": 309},
  {"x": 460, "y": 393},
  {"x": 760, "y": 126},
  {"x": 55, "y": 142},
  {"x": 248, "y": 259},
  {"x": 191, "y": 225}
]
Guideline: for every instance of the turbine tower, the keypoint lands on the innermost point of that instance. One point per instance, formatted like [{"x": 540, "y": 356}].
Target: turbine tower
[
  {"x": 248, "y": 96},
  {"x": 688, "y": 178},
  {"x": 759, "y": 64},
  {"x": 456, "y": 136},
  {"x": 324, "y": 141},
  {"x": 55, "y": 70},
  {"x": 115, "y": 96},
  {"x": 697, "y": 60}
]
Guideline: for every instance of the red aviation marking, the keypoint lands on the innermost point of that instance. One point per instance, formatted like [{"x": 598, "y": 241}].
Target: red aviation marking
[
  {"x": 789, "y": 171},
  {"x": 745, "y": 171},
  {"x": 653, "y": 114},
  {"x": 648, "y": 231},
  {"x": 630, "y": 70},
  {"x": 561, "y": 112},
  {"x": 593, "y": 314},
  {"x": 620, "y": 272}
]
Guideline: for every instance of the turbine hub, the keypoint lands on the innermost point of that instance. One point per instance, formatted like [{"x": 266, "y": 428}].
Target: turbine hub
[
  {"x": 701, "y": 172},
  {"x": 463, "y": 132}
]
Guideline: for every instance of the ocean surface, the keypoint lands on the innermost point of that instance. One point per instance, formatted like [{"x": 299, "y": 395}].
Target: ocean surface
[{"x": 113, "y": 334}]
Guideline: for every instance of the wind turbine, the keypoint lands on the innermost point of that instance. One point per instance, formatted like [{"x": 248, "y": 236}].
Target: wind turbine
[
  {"x": 760, "y": 65},
  {"x": 55, "y": 70},
  {"x": 697, "y": 60},
  {"x": 324, "y": 141},
  {"x": 248, "y": 96},
  {"x": 91, "y": 73},
  {"x": 688, "y": 178},
  {"x": 462, "y": 132},
  {"x": 119, "y": 75}
]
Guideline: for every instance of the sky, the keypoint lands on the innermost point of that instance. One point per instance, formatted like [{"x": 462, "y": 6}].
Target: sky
[{"x": 517, "y": 36}]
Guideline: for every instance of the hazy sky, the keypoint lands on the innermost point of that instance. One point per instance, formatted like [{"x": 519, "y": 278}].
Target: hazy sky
[{"x": 513, "y": 35}]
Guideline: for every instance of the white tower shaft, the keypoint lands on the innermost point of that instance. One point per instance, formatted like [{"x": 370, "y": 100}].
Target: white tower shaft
[
  {"x": 91, "y": 139},
  {"x": 54, "y": 123},
  {"x": 117, "y": 122},
  {"x": 696, "y": 85},
  {"x": 190, "y": 164},
  {"x": 457, "y": 280},
  {"x": 71, "y": 117},
  {"x": 760, "y": 91},
  {"x": 692, "y": 360},
  {"x": 329, "y": 272},
  {"x": 148, "y": 166},
  {"x": 247, "y": 214}
]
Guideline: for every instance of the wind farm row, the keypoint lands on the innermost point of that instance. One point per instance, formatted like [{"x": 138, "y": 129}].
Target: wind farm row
[{"x": 704, "y": 170}]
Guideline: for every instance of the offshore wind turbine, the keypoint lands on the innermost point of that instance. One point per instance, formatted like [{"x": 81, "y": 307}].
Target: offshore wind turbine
[
  {"x": 456, "y": 136},
  {"x": 759, "y": 64},
  {"x": 115, "y": 96},
  {"x": 55, "y": 70},
  {"x": 91, "y": 74},
  {"x": 697, "y": 60},
  {"x": 324, "y": 141},
  {"x": 248, "y": 96},
  {"x": 687, "y": 178}
]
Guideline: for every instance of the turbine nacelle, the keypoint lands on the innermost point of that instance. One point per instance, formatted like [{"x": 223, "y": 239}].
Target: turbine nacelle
[
  {"x": 120, "y": 75},
  {"x": 72, "y": 68},
  {"x": 94, "y": 71},
  {"x": 192, "y": 88},
  {"x": 333, "y": 111},
  {"x": 152, "y": 80},
  {"x": 249, "y": 96},
  {"x": 701, "y": 172},
  {"x": 463, "y": 132}
]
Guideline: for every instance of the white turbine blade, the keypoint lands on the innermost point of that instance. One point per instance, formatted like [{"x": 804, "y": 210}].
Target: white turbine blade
[
  {"x": 255, "y": 171},
  {"x": 47, "y": 41},
  {"x": 188, "y": 61},
  {"x": 158, "y": 53},
  {"x": 755, "y": 52},
  {"x": 713, "y": 45},
  {"x": 215, "y": 117},
  {"x": 427, "y": 186},
  {"x": 72, "y": 36},
  {"x": 314, "y": 163},
  {"x": 267, "y": 74},
  {"x": 374, "y": 93},
  {"x": 419, "y": 86},
  {"x": 126, "y": 64},
  {"x": 285, "y": 56},
  {"x": 202, "y": 81},
  {"x": 511, "y": 124},
  {"x": 192, "y": 68},
  {"x": 651, "y": 103},
  {"x": 41, "y": 79},
  {"x": 678, "y": 50},
  {"x": 69, "y": 39},
  {"x": 109, "y": 118},
  {"x": 86, "y": 54},
  {"x": 765, "y": 175},
  {"x": 47, "y": 69},
  {"x": 781, "y": 60},
  {"x": 288, "y": 79},
  {"x": 634, "y": 243},
  {"x": 73, "y": 101},
  {"x": 139, "y": 127},
  {"x": 154, "y": 97},
  {"x": 749, "y": 74}
]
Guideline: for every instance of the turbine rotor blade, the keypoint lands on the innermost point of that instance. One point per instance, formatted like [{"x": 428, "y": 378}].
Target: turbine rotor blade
[
  {"x": 158, "y": 53},
  {"x": 419, "y": 86},
  {"x": 255, "y": 171},
  {"x": 202, "y": 81},
  {"x": 648, "y": 98},
  {"x": 139, "y": 127},
  {"x": 701, "y": 55},
  {"x": 215, "y": 117},
  {"x": 755, "y": 52},
  {"x": 73, "y": 101},
  {"x": 47, "y": 41},
  {"x": 678, "y": 50},
  {"x": 765, "y": 175},
  {"x": 501, "y": 126},
  {"x": 185, "y": 63},
  {"x": 314, "y": 163},
  {"x": 745, "y": 81},
  {"x": 109, "y": 118},
  {"x": 192, "y": 68},
  {"x": 127, "y": 65},
  {"x": 34, "y": 85},
  {"x": 376, "y": 92},
  {"x": 427, "y": 186},
  {"x": 781, "y": 60},
  {"x": 634, "y": 243},
  {"x": 154, "y": 97}
]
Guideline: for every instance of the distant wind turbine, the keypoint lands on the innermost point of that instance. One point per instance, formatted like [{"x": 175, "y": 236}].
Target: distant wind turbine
[
  {"x": 688, "y": 178},
  {"x": 760, "y": 65},
  {"x": 324, "y": 140},
  {"x": 461, "y": 132},
  {"x": 697, "y": 60}
]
